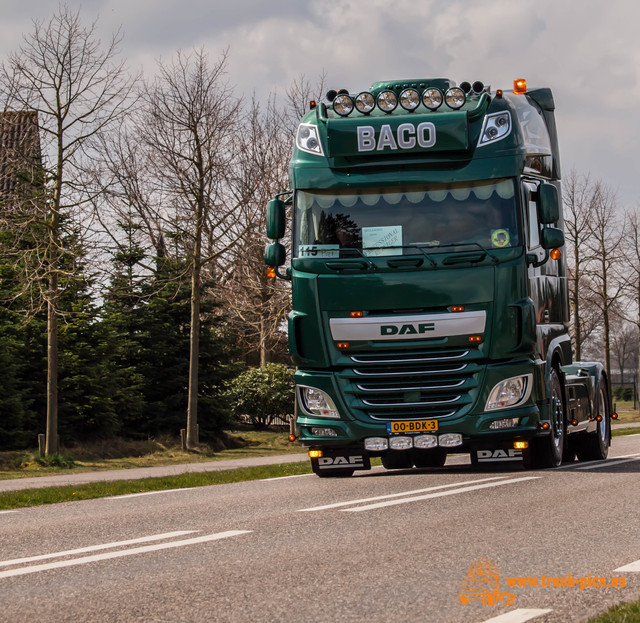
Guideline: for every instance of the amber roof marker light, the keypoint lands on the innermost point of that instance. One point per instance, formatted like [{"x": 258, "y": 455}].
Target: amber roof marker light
[
  {"x": 555, "y": 254},
  {"x": 520, "y": 85}
]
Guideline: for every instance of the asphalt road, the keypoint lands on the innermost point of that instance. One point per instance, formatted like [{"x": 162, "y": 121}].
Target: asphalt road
[{"x": 381, "y": 546}]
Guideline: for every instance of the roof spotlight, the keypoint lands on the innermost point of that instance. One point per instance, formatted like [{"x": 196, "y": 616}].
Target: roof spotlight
[
  {"x": 343, "y": 104},
  {"x": 465, "y": 86},
  {"x": 331, "y": 95},
  {"x": 409, "y": 99},
  {"x": 432, "y": 98},
  {"x": 387, "y": 101},
  {"x": 365, "y": 102},
  {"x": 455, "y": 98},
  {"x": 477, "y": 86}
]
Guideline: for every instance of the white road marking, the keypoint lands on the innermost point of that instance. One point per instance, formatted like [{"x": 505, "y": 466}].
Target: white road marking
[
  {"x": 7, "y": 512},
  {"x": 439, "y": 494},
  {"x": 518, "y": 616},
  {"x": 395, "y": 495},
  {"x": 137, "y": 495},
  {"x": 633, "y": 567},
  {"x": 127, "y": 552},
  {"x": 587, "y": 464},
  {"x": 284, "y": 477},
  {"x": 95, "y": 548},
  {"x": 618, "y": 460}
]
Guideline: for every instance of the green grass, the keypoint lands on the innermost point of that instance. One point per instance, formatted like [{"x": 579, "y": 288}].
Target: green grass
[
  {"x": 626, "y": 412},
  {"x": 54, "y": 495},
  {"x": 624, "y": 613},
  {"x": 619, "y": 432},
  {"x": 120, "y": 454}
]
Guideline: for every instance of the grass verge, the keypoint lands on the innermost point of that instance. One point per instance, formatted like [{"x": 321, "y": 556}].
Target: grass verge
[
  {"x": 624, "y": 613},
  {"x": 121, "y": 454},
  {"x": 10, "y": 500},
  {"x": 618, "y": 432}
]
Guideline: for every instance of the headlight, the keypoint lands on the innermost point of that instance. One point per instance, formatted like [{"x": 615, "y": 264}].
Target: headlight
[
  {"x": 316, "y": 402},
  {"x": 387, "y": 101},
  {"x": 455, "y": 98},
  {"x": 495, "y": 127},
  {"x": 432, "y": 98},
  {"x": 343, "y": 105},
  {"x": 409, "y": 99},
  {"x": 307, "y": 139},
  {"x": 365, "y": 102},
  {"x": 510, "y": 392}
]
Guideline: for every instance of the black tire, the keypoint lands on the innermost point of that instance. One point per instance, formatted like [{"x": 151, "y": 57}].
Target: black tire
[
  {"x": 429, "y": 458},
  {"x": 397, "y": 459},
  {"x": 335, "y": 473},
  {"x": 548, "y": 451},
  {"x": 595, "y": 446}
]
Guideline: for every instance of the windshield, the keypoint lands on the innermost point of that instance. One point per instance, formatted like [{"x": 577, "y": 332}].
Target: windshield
[{"x": 390, "y": 221}]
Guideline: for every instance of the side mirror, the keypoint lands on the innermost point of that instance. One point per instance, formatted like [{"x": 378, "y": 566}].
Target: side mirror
[
  {"x": 551, "y": 238},
  {"x": 274, "y": 255},
  {"x": 549, "y": 205},
  {"x": 276, "y": 219}
]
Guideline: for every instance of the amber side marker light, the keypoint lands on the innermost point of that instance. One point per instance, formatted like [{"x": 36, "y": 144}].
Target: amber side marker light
[
  {"x": 271, "y": 272},
  {"x": 342, "y": 345},
  {"x": 520, "y": 445},
  {"x": 315, "y": 454},
  {"x": 574, "y": 422},
  {"x": 520, "y": 85},
  {"x": 555, "y": 254},
  {"x": 292, "y": 438},
  {"x": 475, "y": 339},
  {"x": 614, "y": 416},
  {"x": 457, "y": 308},
  {"x": 545, "y": 426},
  {"x": 356, "y": 314}
]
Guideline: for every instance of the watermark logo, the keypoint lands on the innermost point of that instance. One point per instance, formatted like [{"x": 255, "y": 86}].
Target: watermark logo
[{"x": 483, "y": 584}]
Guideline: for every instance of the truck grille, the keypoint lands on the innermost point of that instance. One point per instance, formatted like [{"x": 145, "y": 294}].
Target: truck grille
[{"x": 427, "y": 384}]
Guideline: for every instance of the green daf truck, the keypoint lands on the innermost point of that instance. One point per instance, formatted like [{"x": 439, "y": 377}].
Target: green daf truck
[{"x": 430, "y": 303}]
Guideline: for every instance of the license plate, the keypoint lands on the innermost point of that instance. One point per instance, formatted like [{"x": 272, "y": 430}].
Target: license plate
[{"x": 412, "y": 426}]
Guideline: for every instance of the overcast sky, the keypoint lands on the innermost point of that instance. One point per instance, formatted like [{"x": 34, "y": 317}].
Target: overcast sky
[{"x": 587, "y": 51}]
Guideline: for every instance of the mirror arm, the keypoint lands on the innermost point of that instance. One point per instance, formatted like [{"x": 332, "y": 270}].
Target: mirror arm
[
  {"x": 532, "y": 259},
  {"x": 286, "y": 275}
]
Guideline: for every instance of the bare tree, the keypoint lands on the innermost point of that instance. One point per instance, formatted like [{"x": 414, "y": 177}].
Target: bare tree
[
  {"x": 299, "y": 94},
  {"x": 256, "y": 305},
  {"x": 578, "y": 199},
  {"x": 189, "y": 128},
  {"x": 64, "y": 73},
  {"x": 631, "y": 250},
  {"x": 606, "y": 282},
  {"x": 624, "y": 344}
]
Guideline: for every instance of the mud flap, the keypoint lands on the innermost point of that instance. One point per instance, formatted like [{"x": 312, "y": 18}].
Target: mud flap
[
  {"x": 333, "y": 460},
  {"x": 497, "y": 455}
]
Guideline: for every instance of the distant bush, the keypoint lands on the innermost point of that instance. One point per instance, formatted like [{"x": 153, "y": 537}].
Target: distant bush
[
  {"x": 623, "y": 393},
  {"x": 263, "y": 394}
]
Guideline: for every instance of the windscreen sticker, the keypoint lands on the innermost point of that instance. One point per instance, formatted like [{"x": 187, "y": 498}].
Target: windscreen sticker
[
  {"x": 500, "y": 238},
  {"x": 319, "y": 250},
  {"x": 382, "y": 240}
]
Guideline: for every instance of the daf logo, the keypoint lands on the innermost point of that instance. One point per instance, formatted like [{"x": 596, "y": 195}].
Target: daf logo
[
  {"x": 499, "y": 455},
  {"x": 406, "y": 136},
  {"x": 407, "y": 329},
  {"x": 328, "y": 461}
]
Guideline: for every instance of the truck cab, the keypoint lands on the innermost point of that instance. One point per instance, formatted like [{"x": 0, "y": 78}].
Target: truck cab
[{"x": 429, "y": 287}]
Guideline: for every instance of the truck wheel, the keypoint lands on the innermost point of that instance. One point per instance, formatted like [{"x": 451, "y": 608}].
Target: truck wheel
[
  {"x": 595, "y": 446},
  {"x": 547, "y": 451},
  {"x": 429, "y": 458},
  {"x": 336, "y": 473},
  {"x": 397, "y": 459}
]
